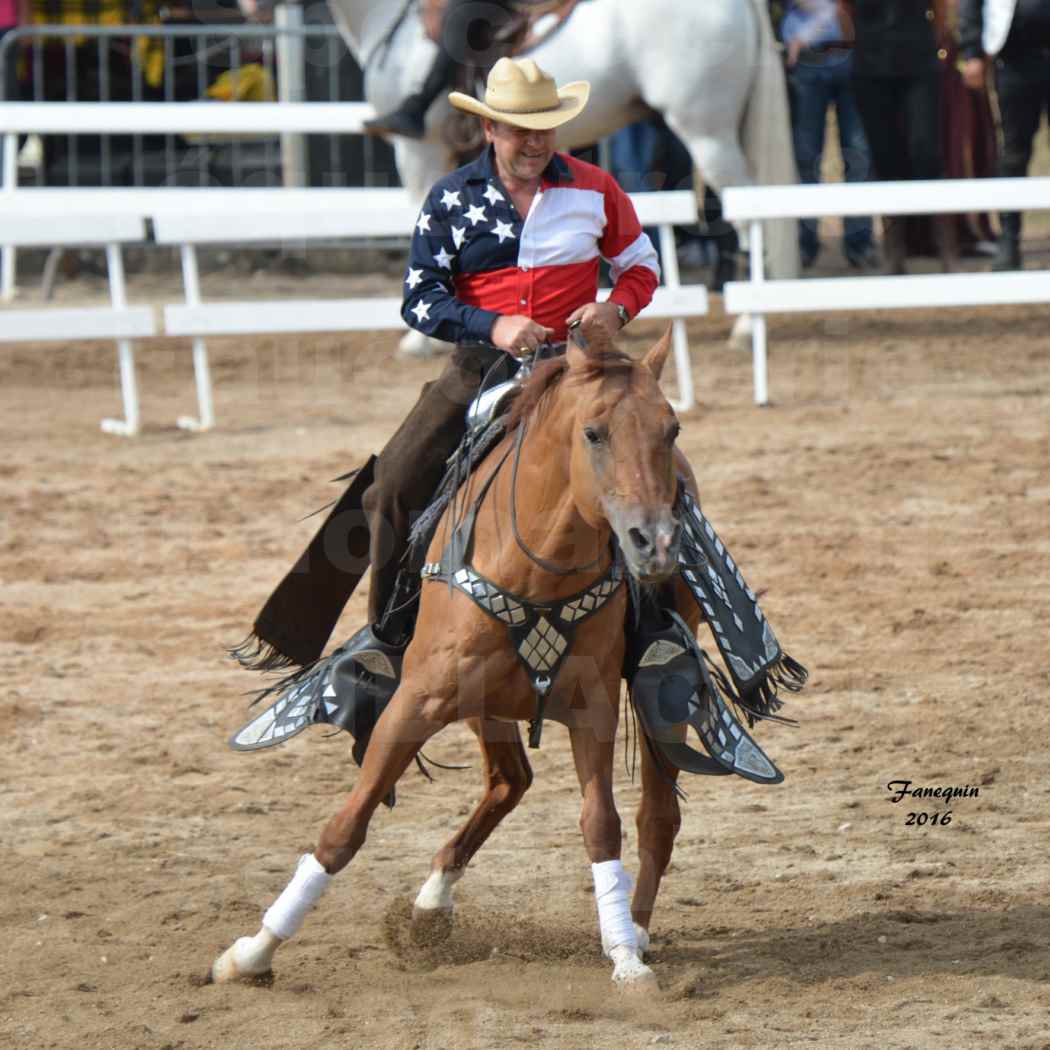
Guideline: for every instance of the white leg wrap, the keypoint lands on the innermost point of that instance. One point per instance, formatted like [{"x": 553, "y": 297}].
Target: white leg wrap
[
  {"x": 436, "y": 894},
  {"x": 286, "y": 914},
  {"x": 611, "y": 886}
]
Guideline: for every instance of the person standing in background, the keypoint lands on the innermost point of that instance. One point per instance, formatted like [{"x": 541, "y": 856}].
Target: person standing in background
[
  {"x": 1016, "y": 34},
  {"x": 897, "y": 85},
  {"x": 968, "y": 137},
  {"x": 818, "y": 47}
]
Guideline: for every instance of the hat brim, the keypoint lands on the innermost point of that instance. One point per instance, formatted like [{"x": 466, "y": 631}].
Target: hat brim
[{"x": 571, "y": 100}]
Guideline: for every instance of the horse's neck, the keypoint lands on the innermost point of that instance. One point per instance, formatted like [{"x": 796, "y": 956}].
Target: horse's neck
[
  {"x": 539, "y": 495},
  {"x": 365, "y": 22}
]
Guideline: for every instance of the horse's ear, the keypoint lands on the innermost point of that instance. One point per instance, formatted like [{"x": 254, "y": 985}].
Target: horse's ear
[{"x": 655, "y": 359}]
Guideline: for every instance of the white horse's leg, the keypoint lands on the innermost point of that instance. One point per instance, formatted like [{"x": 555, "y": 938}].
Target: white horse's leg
[
  {"x": 419, "y": 164},
  {"x": 740, "y": 337},
  {"x": 250, "y": 957},
  {"x": 417, "y": 345}
]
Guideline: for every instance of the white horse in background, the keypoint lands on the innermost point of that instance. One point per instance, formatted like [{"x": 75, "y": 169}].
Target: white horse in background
[{"x": 709, "y": 67}]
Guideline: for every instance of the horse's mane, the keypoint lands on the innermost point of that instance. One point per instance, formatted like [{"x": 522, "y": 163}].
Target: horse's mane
[{"x": 547, "y": 374}]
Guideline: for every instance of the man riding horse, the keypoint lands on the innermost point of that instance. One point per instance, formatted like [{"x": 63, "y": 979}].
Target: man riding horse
[
  {"x": 504, "y": 262},
  {"x": 466, "y": 32}
]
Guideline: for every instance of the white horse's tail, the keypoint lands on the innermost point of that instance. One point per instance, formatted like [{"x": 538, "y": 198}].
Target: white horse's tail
[{"x": 766, "y": 139}]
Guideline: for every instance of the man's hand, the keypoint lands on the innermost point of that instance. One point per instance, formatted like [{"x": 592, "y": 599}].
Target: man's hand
[
  {"x": 518, "y": 334},
  {"x": 604, "y": 314},
  {"x": 794, "y": 49},
  {"x": 974, "y": 72}
]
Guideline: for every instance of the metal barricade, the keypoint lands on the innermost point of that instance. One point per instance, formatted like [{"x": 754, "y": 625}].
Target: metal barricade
[{"x": 177, "y": 63}]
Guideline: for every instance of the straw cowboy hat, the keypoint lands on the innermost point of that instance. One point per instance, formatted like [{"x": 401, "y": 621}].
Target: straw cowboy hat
[{"x": 520, "y": 93}]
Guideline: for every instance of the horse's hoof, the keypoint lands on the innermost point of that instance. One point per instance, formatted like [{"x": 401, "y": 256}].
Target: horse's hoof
[
  {"x": 236, "y": 964},
  {"x": 630, "y": 974},
  {"x": 431, "y": 925}
]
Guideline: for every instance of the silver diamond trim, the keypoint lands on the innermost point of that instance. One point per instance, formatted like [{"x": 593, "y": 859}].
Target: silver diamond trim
[{"x": 543, "y": 646}]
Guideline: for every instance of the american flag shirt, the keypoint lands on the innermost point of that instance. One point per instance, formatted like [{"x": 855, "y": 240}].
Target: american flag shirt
[{"x": 473, "y": 258}]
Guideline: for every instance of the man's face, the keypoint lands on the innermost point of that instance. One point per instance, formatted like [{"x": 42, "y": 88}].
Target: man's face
[{"x": 520, "y": 153}]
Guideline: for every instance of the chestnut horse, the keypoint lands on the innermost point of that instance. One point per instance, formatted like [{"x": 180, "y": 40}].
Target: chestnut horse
[{"x": 594, "y": 471}]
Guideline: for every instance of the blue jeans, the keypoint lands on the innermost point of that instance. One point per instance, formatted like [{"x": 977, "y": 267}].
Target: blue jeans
[{"x": 814, "y": 87}]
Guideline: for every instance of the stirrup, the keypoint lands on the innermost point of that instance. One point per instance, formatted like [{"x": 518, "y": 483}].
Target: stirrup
[
  {"x": 672, "y": 689},
  {"x": 349, "y": 689},
  {"x": 406, "y": 123}
]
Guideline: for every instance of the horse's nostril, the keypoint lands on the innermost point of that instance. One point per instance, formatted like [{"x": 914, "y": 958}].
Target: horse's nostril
[{"x": 640, "y": 540}]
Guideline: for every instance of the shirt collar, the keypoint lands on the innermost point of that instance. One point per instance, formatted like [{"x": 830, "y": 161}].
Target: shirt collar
[{"x": 484, "y": 168}]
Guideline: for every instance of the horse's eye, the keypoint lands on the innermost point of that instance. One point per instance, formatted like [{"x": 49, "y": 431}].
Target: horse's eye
[{"x": 593, "y": 436}]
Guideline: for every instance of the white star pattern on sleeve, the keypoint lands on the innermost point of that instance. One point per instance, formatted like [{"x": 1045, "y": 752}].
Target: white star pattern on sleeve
[
  {"x": 492, "y": 195},
  {"x": 422, "y": 311},
  {"x": 443, "y": 259},
  {"x": 503, "y": 230},
  {"x": 414, "y": 277},
  {"x": 476, "y": 214},
  {"x": 459, "y": 236},
  {"x": 450, "y": 199},
  {"x": 424, "y": 223}
]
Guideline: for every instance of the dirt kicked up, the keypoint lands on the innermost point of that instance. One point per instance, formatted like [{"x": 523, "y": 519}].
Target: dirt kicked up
[{"x": 894, "y": 506}]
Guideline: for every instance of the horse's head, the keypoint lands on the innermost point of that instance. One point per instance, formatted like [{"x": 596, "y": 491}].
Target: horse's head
[{"x": 622, "y": 450}]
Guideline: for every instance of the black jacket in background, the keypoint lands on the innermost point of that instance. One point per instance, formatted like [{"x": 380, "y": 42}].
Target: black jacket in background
[
  {"x": 971, "y": 28},
  {"x": 895, "y": 38}
]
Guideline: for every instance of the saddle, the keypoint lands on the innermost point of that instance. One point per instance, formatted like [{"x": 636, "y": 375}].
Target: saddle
[
  {"x": 523, "y": 32},
  {"x": 532, "y": 23}
]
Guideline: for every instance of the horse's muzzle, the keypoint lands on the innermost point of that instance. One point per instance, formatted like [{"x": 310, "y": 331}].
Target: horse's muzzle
[{"x": 650, "y": 545}]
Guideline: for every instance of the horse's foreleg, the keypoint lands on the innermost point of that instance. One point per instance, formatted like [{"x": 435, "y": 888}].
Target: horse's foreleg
[
  {"x": 402, "y": 730},
  {"x": 658, "y": 821},
  {"x": 507, "y": 778},
  {"x": 659, "y": 817},
  {"x": 603, "y": 840}
]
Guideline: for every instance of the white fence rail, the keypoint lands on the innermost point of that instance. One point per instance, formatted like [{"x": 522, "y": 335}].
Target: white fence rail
[
  {"x": 110, "y": 229},
  {"x": 758, "y": 296},
  {"x": 188, "y": 217}
]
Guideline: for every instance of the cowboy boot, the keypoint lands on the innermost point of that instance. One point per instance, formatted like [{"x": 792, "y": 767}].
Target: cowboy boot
[
  {"x": 894, "y": 246},
  {"x": 1008, "y": 254},
  {"x": 946, "y": 237},
  {"x": 409, "y": 119},
  {"x": 672, "y": 691}
]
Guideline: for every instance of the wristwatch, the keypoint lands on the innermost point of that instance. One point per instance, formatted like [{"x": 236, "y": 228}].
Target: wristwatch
[{"x": 624, "y": 316}]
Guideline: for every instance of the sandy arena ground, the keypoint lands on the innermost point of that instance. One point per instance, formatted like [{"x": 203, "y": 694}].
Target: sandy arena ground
[{"x": 893, "y": 503}]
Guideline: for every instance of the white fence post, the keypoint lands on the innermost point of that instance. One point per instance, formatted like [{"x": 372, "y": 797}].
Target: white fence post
[
  {"x": 10, "y": 183},
  {"x": 758, "y": 320},
  {"x": 129, "y": 425},
  {"x": 759, "y": 297},
  {"x": 683, "y": 367},
  {"x": 201, "y": 372},
  {"x": 291, "y": 87}
]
